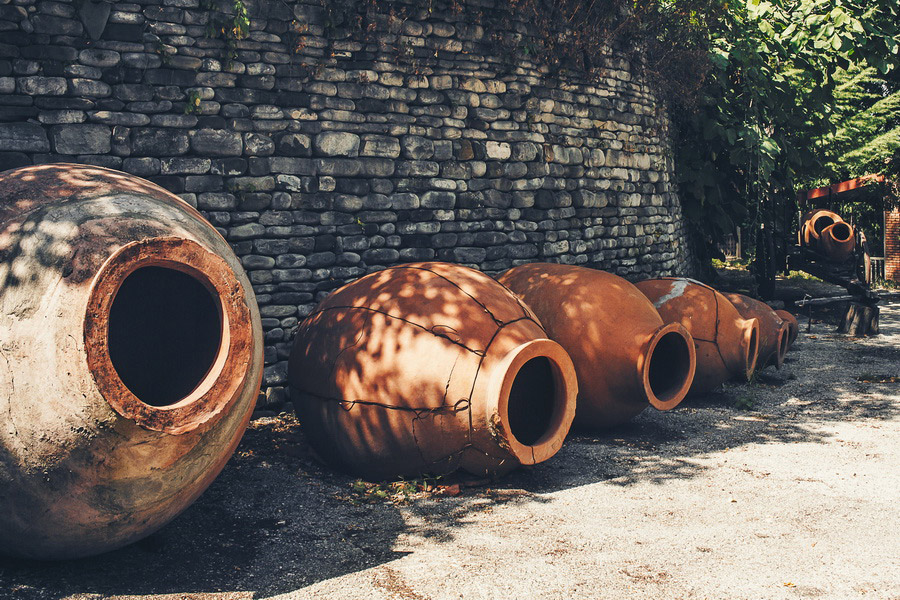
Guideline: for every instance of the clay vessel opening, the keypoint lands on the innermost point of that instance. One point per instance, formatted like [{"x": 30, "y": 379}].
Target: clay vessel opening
[
  {"x": 532, "y": 401},
  {"x": 784, "y": 341},
  {"x": 534, "y": 389},
  {"x": 165, "y": 332},
  {"x": 841, "y": 232},
  {"x": 670, "y": 369},
  {"x": 821, "y": 223},
  {"x": 751, "y": 347}
]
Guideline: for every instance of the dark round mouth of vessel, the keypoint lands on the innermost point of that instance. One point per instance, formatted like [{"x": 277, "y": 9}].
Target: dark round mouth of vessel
[
  {"x": 841, "y": 232},
  {"x": 670, "y": 366},
  {"x": 752, "y": 350},
  {"x": 821, "y": 223},
  {"x": 532, "y": 401},
  {"x": 165, "y": 332}
]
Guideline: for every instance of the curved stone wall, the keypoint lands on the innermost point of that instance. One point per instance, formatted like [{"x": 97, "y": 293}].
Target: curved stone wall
[{"x": 324, "y": 151}]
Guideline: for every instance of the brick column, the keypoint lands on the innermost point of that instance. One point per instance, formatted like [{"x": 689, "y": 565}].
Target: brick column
[{"x": 892, "y": 244}]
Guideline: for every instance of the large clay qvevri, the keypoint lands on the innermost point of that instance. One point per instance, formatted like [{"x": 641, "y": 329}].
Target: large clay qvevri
[
  {"x": 774, "y": 333},
  {"x": 625, "y": 357},
  {"x": 426, "y": 368},
  {"x": 726, "y": 343},
  {"x": 131, "y": 358}
]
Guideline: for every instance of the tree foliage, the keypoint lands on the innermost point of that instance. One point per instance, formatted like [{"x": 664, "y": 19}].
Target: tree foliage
[
  {"x": 866, "y": 124},
  {"x": 768, "y": 99}
]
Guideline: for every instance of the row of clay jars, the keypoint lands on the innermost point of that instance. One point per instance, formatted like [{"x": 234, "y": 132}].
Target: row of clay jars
[
  {"x": 774, "y": 333},
  {"x": 626, "y": 358},
  {"x": 131, "y": 358},
  {"x": 727, "y": 344},
  {"x": 826, "y": 232},
  {"x": 391, "y": 374}
]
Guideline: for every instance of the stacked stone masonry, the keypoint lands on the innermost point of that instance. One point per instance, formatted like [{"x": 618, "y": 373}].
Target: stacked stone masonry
[{"x": 323, "y": 152}]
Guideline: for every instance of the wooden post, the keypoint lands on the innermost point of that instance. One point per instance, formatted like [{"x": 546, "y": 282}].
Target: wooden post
[{"x": 860, "y": 319}]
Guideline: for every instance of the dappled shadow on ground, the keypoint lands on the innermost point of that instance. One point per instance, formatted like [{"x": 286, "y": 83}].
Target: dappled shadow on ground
[
  {"x": 275, "y": 521},
  {"x": 271, "y": 523}
]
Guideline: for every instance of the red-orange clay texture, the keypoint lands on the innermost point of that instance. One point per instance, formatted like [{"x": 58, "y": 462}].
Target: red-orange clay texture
[
  {"x": 427, "y": 368},
  {"x": 793, "y": 325},
  {"x": 814, "y": 223},
  {"x": 625, "y": 357},
  {"x": 837, "y": 242},
  {"x": 131, "y": 358},
  {"x": 774, "y": 333},
  {"x": 726, "y": 343}
]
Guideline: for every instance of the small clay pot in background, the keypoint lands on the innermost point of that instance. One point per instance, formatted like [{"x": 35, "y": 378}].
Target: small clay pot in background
[
  {"x": 625, "y": 357},
  {"x": 774, "y": 334},
  {"x": 727, "y": 345},
  {"x": 426, "y": 368},
  {"x": 132, "y": 358}
]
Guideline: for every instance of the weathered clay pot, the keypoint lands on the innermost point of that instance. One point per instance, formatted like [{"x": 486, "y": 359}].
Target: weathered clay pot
[
  {"x": 837, "y": 241},
  {"x": 774, "y": 333},
  {"x": 814, "y": 222},
  {"x": 793, "y": 325},
  {"x": 625, "y": 357},
  {"x": 131, "y": 358},
  {"x": 426, "y": 368},
  {"x": 727, "y": 344}
]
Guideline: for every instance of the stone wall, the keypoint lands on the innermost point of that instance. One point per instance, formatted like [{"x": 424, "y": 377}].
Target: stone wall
[{"x": 324, "y": 152}]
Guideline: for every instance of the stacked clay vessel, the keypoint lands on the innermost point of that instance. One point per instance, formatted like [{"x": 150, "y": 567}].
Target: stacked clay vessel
[
  {"x": 726, "y": 343},
  {"x": 827, "y": 233},
  {"x": 837, "y": 241},
  {"x": 625, "y": 357},
  {"x": 131, "y": 358},
  {"x": 814, "y": 223},
  {"x": 774, "y": 333},
  {"x": 426, "y": 368}
]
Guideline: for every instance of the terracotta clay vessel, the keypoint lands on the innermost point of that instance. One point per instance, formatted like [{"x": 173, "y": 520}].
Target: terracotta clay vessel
[
  {"x": 727, "y": 344},
  {"x": 131, "y": 358},
  {"x": 426, "y": 368},
  {"x": 625, "y": 357},
  {"x": 793, "y": 325},
  {"x": 837, "y": 242},
  {"x": 814, "y": 222},
  {"x": 774, "y": 334}
]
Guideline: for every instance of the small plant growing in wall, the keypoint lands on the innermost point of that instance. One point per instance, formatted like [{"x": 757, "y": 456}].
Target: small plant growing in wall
[
  {"x": 193, "y": 103},
  {"x": 231, "y": 27}
]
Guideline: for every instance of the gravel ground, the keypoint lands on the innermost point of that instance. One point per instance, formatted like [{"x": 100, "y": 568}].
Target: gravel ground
[{"x": 786, "y": 487}]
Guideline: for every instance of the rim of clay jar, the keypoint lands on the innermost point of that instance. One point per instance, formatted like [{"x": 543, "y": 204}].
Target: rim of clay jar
[
  {"x": 750, "y": 347},
  {"x": 784, "y": 334},
  {"x": 565, "y": 392},
  {"x": 840, "y": 232},
  {"x": 792, "y": 325},
  {"x": 224, "y": 379},
  {"x": 650, "y": 360}
]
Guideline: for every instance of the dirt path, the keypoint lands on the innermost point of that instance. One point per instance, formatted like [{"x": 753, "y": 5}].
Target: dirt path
[{"x": 795, "y": 498}]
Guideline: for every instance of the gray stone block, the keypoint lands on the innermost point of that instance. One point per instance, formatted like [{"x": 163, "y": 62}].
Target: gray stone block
[
  {"x": 42, "y": 86},
  {"x": 216, "y": 142},
  {"x": 159, "y": 142},
  {"x": 23, "y": 137},
  {"x": 337, "y": 143},
  {"x": 81, "y": 139}
]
